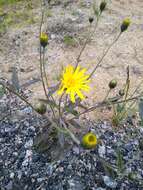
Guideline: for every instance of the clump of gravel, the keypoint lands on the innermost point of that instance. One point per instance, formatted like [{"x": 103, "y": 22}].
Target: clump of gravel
[{"x": 22, "y": 168}]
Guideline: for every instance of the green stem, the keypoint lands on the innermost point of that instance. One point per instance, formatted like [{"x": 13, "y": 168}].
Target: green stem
[
  {"x": 85, "y": 44},
  {"x": 42, "y": 66},
  {"x": 73, "y": 137},
  {"x": 45, "y": 76},
  {"x": 44, "y": 70},
  {"x": 105, "y": 53},
  {"x": 41, "y": 72},
  {"x": 18, "y": 95},
  {"x": 101, "y": 104},
  {"x": 108, "y": 92},
  {"x": 60, "y": 101}
]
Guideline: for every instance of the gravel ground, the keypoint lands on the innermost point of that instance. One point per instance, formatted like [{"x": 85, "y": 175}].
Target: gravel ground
[{"x": 22, "y": 168}]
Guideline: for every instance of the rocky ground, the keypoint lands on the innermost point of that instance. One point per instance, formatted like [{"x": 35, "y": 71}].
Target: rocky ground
[{"x": 115, "y": 163}]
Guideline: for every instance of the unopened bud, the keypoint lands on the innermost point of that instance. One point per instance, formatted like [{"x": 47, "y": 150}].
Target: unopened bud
[
  {"x": 91, "y": 19},
  {"x": 112, "y": 84},
  {"x": 103, "y": 6},
  {"x": 43, "y": 39},
  {"x": 125, "y": 24}
]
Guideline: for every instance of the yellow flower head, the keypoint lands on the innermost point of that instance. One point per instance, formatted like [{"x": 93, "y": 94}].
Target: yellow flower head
[
  {"x": 43, "y": 39},
  {"x": 89, "y": 140},
  {"x": 73, "y": 82}
]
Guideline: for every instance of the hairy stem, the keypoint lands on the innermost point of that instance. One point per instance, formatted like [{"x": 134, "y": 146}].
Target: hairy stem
[
  {"x": 41, "y": 72},
  {"x": 45, "y": 76},
  {"x": 85, "y": 43},
  {"x": 105, "y": 53},
  {"x": 18, "y": 95},
  {"x": 101, "y": 104},
  {"x": 44, "y": 70}
]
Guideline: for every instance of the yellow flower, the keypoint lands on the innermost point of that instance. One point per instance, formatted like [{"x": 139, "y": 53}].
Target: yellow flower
[
  {"x": 73, "y": 82},
  {"x": 89, "y": 140},
  {"x": 43, "y": 39}
]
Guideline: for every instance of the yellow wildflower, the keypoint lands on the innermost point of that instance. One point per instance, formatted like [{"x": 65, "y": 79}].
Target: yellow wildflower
[
  {"x": 73, "y": 82},
  {"x": 89, "y": 140}
]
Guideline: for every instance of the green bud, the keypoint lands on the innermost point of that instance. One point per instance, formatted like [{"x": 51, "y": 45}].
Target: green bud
[
  {"x": 41, "y": 108},
  {"x": 103, "y": 6},
  {"x": 121, "y": 92},
  {"x": 43, "y": 39},
  {"x": 91, "y": 19},
  {"x": 112, "y": 84},
  {"x": 125, "y": 24}
]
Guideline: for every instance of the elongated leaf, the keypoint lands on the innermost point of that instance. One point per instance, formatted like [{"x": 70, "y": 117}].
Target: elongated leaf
[
  {"x": 96, "y": 10},
  {"x": 75, "y": 124},
  {"x": 15, "y": 79},
  {"x": 120, "y": 161},
  {"x": 53, "y": 89},
  {"x": 2, "y": 91},
  {"x": 120, "y": 108},
  {"x": 141, "y": 109},
  {"x": 114, "y": 99},
  {"x": 71, "y": 110},
  {"x": 48, "y": 102}
]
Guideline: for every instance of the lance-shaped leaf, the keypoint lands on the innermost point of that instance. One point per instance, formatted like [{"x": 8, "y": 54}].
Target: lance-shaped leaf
[
  {"x": 141, "y": 108},
  {"x": 120, "y": 161},
  {"x": 49, "y": 102},
  {"x": 53, "y": 89},
  {"x": 2, "y": 91},
  {"x": 96, "y": 10},
  {"x": 15, "y": 79}
]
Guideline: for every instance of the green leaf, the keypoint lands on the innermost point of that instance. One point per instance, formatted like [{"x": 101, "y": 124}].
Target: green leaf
[
  {"x": 141, "y": 108},
  {"x": 49, "y": 102},
  {"x": 71, "y": 110},
  {"x": 15, "y": 79},
  {"x": 114, "y": 99},
  {"x": 75, "y": 124},
  {"x": 53, "y": 89},
  {"x": 120, "y": 161},
  {"x": 2, "y": 91},
  {"x": 119, "y": 108},
  {"x": 96, "y": 10},
  {"x": 109, "y": 170}
]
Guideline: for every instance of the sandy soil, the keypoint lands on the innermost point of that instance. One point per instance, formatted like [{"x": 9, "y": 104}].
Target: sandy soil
[{"x": 19, "y": 46}]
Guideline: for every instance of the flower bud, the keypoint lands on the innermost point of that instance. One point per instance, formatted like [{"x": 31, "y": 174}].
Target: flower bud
[
  {"x": 89, "y": 140},
  {"x": 112, "y": 84},
  {"x": 43, "y": 39},
  {"x": 103, "y": 6},
  {"x": 125, "y": 24},
  {"x": 121, "y": 92},
  {"x": 91, "y": 19},
  {"x": 41, "y": 108}
]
